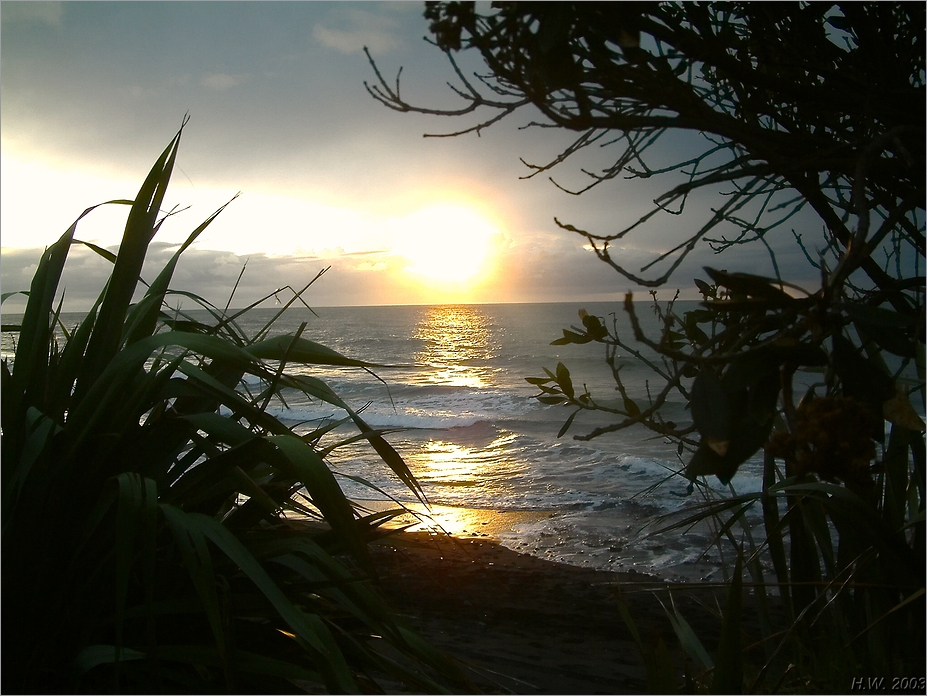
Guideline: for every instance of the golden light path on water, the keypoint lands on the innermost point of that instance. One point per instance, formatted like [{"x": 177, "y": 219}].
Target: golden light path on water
[
  {"x": 443, "y": 519},
  {"x": 456, "y": 339},
  {"x": 458, "y": 344},
  {"x": 444, "y": 463}
]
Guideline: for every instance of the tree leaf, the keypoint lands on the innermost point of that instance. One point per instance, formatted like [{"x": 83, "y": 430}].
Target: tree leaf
[
  {"x": 862, "y": 380},
  {"x": 550, "y": 400},
  {"x": 750, "y": 285},
  {"x": 593, "y": 326},
  {"x": 569, "y": 422},
  {"x": 571, "y": 337},
  {"x": 899, "y": 410},
  {"x": 704, "y": 288},
  {"x": 563, "y": 379},
  {"x": 711, "y": 411}
]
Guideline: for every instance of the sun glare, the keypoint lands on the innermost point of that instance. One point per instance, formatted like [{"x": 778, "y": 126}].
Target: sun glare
[{"x": 445, "y": 243}]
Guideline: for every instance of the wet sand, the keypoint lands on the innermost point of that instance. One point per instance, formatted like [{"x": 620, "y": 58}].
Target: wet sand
[{"x": 525, "y": 625}]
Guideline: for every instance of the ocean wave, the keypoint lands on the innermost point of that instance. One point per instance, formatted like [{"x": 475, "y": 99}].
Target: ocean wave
[
  {"x": 418, "y": 420},
  {"x": 468, "y": 426}
]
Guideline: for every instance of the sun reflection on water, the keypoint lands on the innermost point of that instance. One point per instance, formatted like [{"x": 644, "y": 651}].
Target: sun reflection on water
[
  {"x": 470, "y": 465},
  {"x": 456, "y": 521},
  {"x": 466, "y": 472},
  {"x": 457, "y": 344}
]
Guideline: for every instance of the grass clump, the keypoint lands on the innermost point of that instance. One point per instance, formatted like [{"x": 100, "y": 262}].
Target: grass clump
[{"x": 144, "y": 485}]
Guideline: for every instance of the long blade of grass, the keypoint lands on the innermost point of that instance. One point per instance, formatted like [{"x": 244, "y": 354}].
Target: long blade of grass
[
  {"x": 660, "y": 669},
  {"x": 687, "y": 637},
  {"x": 211, "y": 474},
  {"x": 7, "y": 295},
  {"x": 803, "y": 559},
  {"x": 149, "y": 559},
  {"x": 35, "y": 326},
  {"x": 628, "y": 620},
  {"x": 896, "y": 475},
  {"x": 253, "y": 490},
  {"x": 61, "y": 387},
  {"x": 297, "y": 295},
  {"x": 773, "y": 527},
  {"x": 302, "y": 350},
  {"x": 274, "y": 386},
  {"x": 136, "y": 504},
  {"x": 224, "y": 325},
  {"x": 308, "y": 627},
  {"x": 98, "y": 250},
  {"x": 219, "y": 427},
  {"x": 203, "y": 384},
  {"x": 728, "y": 675},
  {"x": 391, "y": 457},
  {"x": 31, "y": 360},
  {"x": 326, "y": 494},
  {"x": 192, "y": 543},
  {"x": 40, "y": 430},
  {"x": 357, "y": 437},
  {"x": 144, "y": 317},
  {"x": 703, "y": 511},
  {"x": 241, "y": 274},
  {"x": 139, "y": 230}
]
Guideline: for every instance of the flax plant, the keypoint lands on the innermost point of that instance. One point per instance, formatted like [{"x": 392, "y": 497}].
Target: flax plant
[{"x": 145, "y": 546}]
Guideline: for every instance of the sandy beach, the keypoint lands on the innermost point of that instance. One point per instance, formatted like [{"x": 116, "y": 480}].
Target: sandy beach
[{"x": 525, "y": 625}]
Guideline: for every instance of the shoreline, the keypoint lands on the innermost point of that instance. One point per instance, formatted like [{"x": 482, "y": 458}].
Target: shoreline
[
  {"x": 523, "y": 624},
  {"x": 507, "y": 527}
]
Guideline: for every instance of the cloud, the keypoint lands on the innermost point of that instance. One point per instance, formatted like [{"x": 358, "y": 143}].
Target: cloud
[
  {"x": 359, "y": 29},
  {"x": 221, "y": 81},
  {"x": 372, "y": 266},
  {"x": 536, "y": 269},
  {"x": 563, "y": 270},
  {"x": 209, "y": 274},
  {"x": 50, "y": 13}
]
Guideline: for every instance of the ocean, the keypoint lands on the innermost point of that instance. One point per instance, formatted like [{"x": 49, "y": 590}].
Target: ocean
[{"x": 487, "y": 453}]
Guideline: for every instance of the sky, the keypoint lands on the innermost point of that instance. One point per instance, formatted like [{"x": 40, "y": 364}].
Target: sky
[{"x": 92, "y": 92}]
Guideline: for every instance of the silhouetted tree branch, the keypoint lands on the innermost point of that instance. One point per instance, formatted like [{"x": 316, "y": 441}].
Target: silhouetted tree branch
[
  {"x": 823, "y": 100},
  {"x": 800, "y": 107}
]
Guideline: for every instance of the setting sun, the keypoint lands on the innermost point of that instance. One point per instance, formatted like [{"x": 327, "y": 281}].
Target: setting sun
[{"x": 445, "y": 243}]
